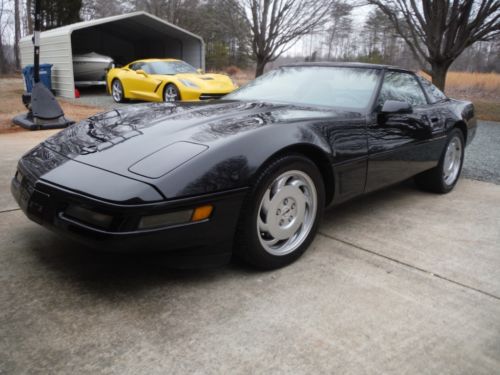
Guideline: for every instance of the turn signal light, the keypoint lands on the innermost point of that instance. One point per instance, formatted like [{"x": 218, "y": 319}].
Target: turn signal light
[{"x": 202, "y": 212}]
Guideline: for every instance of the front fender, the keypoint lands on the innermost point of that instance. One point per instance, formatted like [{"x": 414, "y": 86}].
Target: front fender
[{"x": 233, "y": 164}]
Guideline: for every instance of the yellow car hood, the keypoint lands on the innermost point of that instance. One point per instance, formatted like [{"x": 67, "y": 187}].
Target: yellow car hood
[{"x": 209, "y": 82}]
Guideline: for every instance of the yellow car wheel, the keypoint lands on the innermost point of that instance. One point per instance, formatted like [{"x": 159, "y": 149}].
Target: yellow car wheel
[
  {"x": 171, "y": 93},
  {"x": 117, "y": 91}
]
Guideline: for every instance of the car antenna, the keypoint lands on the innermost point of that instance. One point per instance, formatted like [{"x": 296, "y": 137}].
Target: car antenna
[{"x": 44, "y": 112}]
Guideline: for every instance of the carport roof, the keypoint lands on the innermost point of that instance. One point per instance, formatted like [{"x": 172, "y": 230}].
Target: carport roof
[{"x": 134, "y": 21}]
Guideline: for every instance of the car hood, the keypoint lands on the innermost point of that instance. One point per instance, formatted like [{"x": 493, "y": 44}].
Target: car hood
[
  {"x": 206, "y": 81},
  {"x": 117, "y": 140}
]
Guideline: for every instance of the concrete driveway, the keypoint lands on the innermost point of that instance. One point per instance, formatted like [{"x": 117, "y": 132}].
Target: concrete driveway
[{"x": 398, "y": 282}]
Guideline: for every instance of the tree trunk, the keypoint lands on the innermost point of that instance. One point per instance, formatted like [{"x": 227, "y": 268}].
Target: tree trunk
[
  {"x": 261, "y": 64},
  {"x": 439, "y": 71},
  {"x": 3, "y": 62},
  {"x": 29, "y": 16},
  {"x": 17, "y": 33}
]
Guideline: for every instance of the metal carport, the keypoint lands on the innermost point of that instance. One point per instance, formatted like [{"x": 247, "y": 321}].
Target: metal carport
[{"x": 125, "y": 38}]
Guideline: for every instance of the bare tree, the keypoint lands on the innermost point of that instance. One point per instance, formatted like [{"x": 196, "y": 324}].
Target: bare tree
[
  {"x": 171, "y": 10},
  {"x": 17, "y": 33},
  {"x": 92, "y": 9},
  {"x": 340, "y": 22},
  {"x": 29, "y": 16},
  {"x": 438, "y": 31},
  {"x": 277, "y": 24},
  {"x": 4, "y": 25}
]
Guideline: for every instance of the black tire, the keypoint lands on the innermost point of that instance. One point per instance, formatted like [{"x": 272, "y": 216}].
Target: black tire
[
  {"x": 169, "y": 90},
  {"x": 249, "y": 239},
  {"x": 117, "y": 91},
  {"x": 434, "y": 180}
]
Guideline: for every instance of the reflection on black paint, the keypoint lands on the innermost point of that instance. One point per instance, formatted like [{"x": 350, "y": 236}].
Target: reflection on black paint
[
  {"x": 40, "y": 160},
  {"x": 119, "y": 125},
  {"x": 224, "y": 175}
]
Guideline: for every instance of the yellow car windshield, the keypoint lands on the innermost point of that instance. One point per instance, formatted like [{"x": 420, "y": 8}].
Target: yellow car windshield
[{"x": 170, "y": 67}]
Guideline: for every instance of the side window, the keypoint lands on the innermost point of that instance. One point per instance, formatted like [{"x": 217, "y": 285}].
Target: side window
[
  {"x": 136, "y": 66},
  {"x": 435, "y": 95},
  {"x": 402, "y": 87}
]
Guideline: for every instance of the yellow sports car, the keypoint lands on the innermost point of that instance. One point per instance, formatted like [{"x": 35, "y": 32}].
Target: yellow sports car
[{"x": 167, "y": 80}]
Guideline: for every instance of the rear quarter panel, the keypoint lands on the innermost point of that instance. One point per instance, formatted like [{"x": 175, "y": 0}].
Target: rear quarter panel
[{"x": 464, "y": 113}]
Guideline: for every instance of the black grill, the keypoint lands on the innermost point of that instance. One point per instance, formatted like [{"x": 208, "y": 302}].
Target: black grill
[
  {"x": 26, "y": 179},
  {"x": 211, "y": 96}
]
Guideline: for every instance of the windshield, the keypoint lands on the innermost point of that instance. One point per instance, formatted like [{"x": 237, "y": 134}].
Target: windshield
[
  {"x": 170, "y": 67},
  {"x": 344, "y": 87}
]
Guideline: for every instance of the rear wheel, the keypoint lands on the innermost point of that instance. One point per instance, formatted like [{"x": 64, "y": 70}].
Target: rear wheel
[
  {"x": 171, "y": 93},
  {"x": 443, "y": 178},
  {"x": 281, "y": 215},
  {"x": 117, "y": 91}
]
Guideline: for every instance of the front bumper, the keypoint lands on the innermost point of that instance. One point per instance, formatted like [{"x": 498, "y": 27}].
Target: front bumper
[
  {"x": 192, "y": 94},
  {"x": 207, "y": 242}
]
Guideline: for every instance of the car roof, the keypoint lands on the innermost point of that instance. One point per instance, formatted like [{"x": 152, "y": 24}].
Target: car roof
[
  {"x": 347, "y": 65},
  {"x": 152, "y": 60}
]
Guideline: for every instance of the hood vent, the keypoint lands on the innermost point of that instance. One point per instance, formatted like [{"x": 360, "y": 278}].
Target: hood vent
[{"x": 166, "y": 159}]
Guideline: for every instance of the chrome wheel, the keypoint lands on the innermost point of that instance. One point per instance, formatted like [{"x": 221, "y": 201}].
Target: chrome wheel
[
  {"x": 452, "y": 161},
  {"x": 287, "y": 212},
  {"x": 117, "y": 91},
  {"x": 171, "y": 93}
]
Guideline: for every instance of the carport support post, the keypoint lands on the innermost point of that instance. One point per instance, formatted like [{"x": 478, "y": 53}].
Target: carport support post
[{"x": 36, "y": 42}]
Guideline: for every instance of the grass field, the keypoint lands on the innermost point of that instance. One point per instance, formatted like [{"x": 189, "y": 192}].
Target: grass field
[
  {"x": 486, "y": 84},
  {"x": 482, "y": 88}
]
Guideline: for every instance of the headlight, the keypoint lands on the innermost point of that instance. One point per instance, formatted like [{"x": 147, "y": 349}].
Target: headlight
[
  {"x": 88, "y": 216},
  {"x": 188, "y": 83},
  {"x": 175, "y": 218}
]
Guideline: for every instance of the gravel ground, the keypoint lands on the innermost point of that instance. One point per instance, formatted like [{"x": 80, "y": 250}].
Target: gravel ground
[
  {"x": 96, "y": 97},
  {"x": 482, "y": 156}
]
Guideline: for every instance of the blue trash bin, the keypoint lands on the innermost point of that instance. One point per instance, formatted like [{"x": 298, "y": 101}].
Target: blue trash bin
[{"x": 45, "y": 76}]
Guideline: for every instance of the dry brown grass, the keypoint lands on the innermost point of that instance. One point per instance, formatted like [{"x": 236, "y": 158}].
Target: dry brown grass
[
  {"x": 486, "y": 82},
  {"x": 11, "y": 89},
  {"x": 467, "y": 85},
  {"x": 483, "y": 89},
  {"x": 239, "y": 76},
  {"x": 243, "y": 77}
]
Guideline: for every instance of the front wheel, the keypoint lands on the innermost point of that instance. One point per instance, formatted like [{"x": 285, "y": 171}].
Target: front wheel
[
  {"x": 171, "y": 93},
  {"x": 281, "y": 215},
  {"x": 117, "y": 91},
  {"x": 443, "y": 178}
]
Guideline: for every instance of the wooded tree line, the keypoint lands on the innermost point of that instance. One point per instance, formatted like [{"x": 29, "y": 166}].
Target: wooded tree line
[
  {"x": 376, "y": 40},
  {"x": 422, "y": 34}
]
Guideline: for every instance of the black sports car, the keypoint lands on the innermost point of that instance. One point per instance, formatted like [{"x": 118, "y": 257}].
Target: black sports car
[{"x": 250, "y": 174}]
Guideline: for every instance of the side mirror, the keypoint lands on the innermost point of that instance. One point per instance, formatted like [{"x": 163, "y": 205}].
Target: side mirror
[
  {"x": 200, "y": 71},
  {"x": 396, "y": 106},
  {"x": 142, "y": 72}
]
